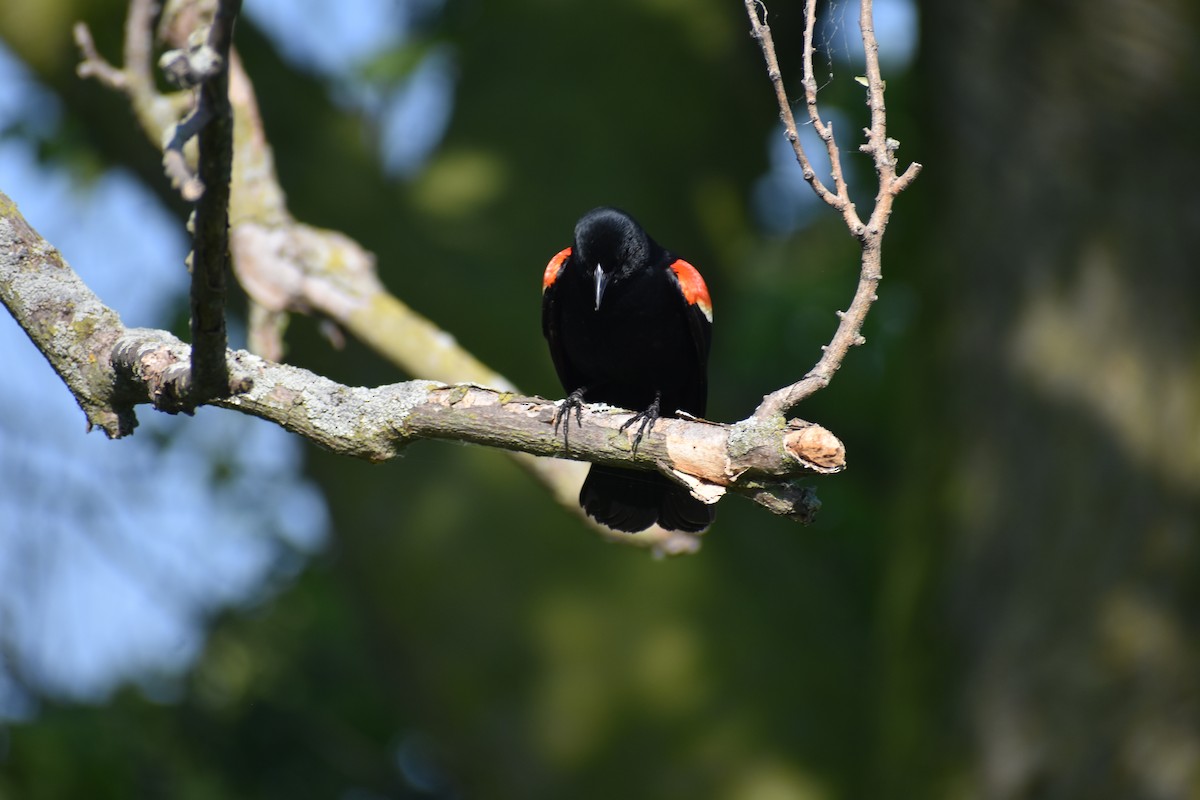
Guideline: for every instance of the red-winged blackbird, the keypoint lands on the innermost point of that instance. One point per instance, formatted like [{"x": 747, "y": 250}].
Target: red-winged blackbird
[{"x": 629, "y": 324}]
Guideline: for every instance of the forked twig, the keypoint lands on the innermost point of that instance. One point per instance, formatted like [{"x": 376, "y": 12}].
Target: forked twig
[{"x": 869, "y": 234}]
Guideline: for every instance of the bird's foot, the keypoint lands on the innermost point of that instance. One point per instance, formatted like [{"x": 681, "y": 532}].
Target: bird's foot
[
  {"x": 645, "y": 419},
  {"x": 563, "y": 415}
]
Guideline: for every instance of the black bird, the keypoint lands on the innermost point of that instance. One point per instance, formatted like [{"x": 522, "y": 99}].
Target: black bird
[{"x": 629, "y": 324}]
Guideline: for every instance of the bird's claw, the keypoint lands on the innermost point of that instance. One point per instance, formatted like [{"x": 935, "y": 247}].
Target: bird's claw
[
  {"x": 646, "y": 419},
  {"x": 563, "y": 415}
]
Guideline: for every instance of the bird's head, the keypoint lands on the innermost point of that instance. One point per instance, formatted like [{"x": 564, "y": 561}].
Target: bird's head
[{"x": 610, "y": 245}]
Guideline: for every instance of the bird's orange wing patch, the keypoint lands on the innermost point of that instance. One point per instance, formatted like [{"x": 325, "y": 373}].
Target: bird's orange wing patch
[
  {"x": 695, "y": 292},
  {"x": 553, "y": 268}
]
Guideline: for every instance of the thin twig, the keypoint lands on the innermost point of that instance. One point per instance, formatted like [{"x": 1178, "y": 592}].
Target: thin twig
[
  {"x": 870, "y": 235},
  {"x": 175, "y": 161},
  {"x": 824, "y": 130},
  {"x": 210, "y": 237},
  {"x": 139, "y": 47},
  {"x": 156, "y": 112},
  {"x": 94, "y": 65},
  {"x": 762, "y": 32}
]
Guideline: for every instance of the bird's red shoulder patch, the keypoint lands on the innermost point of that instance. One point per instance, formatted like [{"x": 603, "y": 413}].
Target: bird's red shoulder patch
[
  {"x": 554, "y": 267},
  {"x": 695, "y": 292}
]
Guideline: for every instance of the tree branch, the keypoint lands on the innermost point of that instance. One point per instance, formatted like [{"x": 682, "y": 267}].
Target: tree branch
[
  {"x": 110, "y": 368},
  {"x": 210, "y": 223},
  {"x": 376, "y": 423},
  {"x": 64, "y": 318},
  {"x": 869, "y": 235},
  {"x": 761, "y": 31}
]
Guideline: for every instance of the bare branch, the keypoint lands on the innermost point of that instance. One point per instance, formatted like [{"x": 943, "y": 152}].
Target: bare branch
[
  {"x": 64, "y": 318},
  {"x": 376, "y": 423},
  {"x": 205, "y": 65},
  {"x": 761, "y": 31},
  {"x": 823, "y": 129},
  {"x": 139, "y": 45},
  {"x": 175, "y": 160},
  {"x": 753, "y": 459},
  {"x": 94, "y": 65},
  {"x": 210, "y": 223},
  {"x": 870, "y": 235}
]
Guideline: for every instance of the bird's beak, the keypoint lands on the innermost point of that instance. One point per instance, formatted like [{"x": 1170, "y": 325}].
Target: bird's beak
[{"x": 601, "y": 278}]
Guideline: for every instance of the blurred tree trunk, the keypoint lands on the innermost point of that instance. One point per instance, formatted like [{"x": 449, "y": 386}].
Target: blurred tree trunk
[{"x": 1070, "y": 226}]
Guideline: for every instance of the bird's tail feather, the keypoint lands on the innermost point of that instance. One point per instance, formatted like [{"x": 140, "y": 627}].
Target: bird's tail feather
[{"x": 633, "y": 500}]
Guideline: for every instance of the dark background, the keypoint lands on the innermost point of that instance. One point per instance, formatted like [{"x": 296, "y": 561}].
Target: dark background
[{"x": 1000, "y": 597}]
